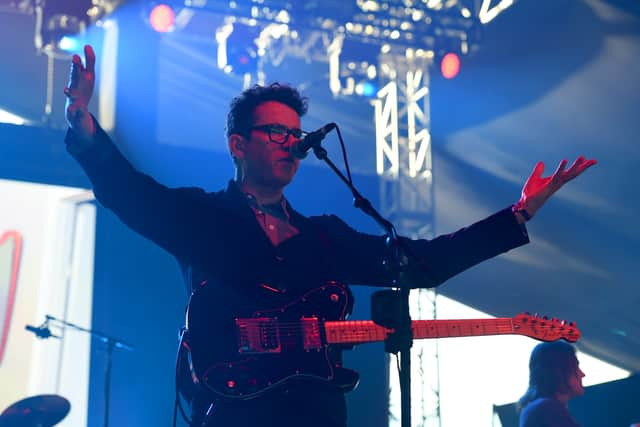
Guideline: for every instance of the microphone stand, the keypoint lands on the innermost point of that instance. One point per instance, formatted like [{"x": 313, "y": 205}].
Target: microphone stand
[
  {"x": 111, "y": 342},
  {"x": 401, "y": 340}
]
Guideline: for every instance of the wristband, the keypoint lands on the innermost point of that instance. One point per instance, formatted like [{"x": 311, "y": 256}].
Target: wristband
[{"x": 517, "y": 208}]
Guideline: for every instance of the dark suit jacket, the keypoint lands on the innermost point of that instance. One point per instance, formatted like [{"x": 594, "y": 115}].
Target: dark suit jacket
[{"x": 217, "y": 239}]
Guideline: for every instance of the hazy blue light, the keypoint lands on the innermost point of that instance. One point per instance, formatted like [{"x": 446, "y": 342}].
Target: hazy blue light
[
  {"x": 69, "y": 44},
  {"x": 369, "y": 89}
]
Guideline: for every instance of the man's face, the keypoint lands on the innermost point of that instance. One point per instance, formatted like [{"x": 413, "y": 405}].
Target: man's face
[
  {"x": 268, "y": 163},
  {"x": 574, "y": 382}
]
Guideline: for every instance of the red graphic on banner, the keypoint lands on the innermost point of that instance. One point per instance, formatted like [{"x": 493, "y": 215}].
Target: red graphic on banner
[{"x": 10, "y": 250}]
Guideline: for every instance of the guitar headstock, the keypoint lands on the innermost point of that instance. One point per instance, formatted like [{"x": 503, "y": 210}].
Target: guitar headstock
[{"x": 544, "y": 329}]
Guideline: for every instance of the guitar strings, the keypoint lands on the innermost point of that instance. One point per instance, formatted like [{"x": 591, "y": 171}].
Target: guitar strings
[{"x": 369, "y": 327}]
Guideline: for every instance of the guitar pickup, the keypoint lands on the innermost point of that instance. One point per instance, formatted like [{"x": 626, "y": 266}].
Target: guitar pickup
[
  {"x": 311, "y": 339},
  {"x": 259, "y": 335}
]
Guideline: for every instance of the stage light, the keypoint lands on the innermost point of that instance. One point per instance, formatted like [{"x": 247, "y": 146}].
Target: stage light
[
  {"x": 8, "y": 117},
  {"x": 367, "y": 89},
  {"x": 53, "y": 28},
  {"x": 238, "y": 52},
  {"x": 162, "y": 18},
  {"x": 450, "y": 65},
  {"x": 57, "y": 22},
  {"x": 69, "y": 44}
]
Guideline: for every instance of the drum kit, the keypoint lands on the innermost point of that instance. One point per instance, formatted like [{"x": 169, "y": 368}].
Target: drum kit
[{"x": 45, "y": 410}]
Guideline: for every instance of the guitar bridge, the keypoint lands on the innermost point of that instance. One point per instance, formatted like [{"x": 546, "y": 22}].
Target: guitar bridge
[{"x": 259, "y": 335}]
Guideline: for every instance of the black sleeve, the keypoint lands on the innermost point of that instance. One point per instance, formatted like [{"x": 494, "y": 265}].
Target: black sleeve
[
  {"x": 358, "y": 257},
  {"x": 161, "y": 214}
]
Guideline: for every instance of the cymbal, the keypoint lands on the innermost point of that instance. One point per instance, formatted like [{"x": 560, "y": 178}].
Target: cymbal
[{"x": 45, "y": 410}]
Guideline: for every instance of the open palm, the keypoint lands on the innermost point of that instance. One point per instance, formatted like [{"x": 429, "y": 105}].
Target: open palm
[
  {"x": 79, "y": 92},
  {"x": 538, "y": 189}
]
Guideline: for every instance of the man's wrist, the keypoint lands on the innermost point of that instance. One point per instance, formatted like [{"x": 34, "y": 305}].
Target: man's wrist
[
  {"x": 79, "y": 139},
  {"x": 520, "y": 211}
]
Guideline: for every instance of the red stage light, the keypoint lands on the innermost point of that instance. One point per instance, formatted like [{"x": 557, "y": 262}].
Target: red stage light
[
  {"x": 162, "y": 18},
  {"x": 450, "y": 65}
]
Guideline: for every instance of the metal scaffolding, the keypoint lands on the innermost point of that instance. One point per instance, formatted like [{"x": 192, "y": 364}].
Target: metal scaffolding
[{"x": 403, "y": 163}]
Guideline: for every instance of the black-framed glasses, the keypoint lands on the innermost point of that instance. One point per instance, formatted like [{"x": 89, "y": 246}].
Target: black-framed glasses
[{"x": 279, "y": 133}]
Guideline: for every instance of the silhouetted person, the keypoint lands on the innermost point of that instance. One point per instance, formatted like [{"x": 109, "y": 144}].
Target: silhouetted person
[{"x": 554, "y": 378}]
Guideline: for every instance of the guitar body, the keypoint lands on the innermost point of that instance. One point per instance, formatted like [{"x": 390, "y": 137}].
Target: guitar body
[{"x": 241, "y": 352}]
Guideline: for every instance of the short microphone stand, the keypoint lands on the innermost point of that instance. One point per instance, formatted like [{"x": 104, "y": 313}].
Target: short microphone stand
[
  {"x": 112, "y": 343},
  {"x": 401, "y": 340}
]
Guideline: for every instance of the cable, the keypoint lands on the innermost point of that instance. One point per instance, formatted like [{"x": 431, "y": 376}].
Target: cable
[{"x": 178, "y": 402}]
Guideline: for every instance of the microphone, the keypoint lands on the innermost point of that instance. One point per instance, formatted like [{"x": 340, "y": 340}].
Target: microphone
[
  {"x": 41, "y": 332},
  {"x": 311, "y": 140}
]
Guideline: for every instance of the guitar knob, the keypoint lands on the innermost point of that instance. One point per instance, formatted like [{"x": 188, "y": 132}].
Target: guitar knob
[{"x": 334, "y": 297}]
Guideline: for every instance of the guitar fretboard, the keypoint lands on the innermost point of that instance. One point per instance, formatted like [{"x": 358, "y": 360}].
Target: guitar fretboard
[{"x": 361, "y": 331}]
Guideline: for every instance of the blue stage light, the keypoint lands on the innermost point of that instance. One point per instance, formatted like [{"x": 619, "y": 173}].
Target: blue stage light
[
  {"x": 369, "y": 89},
  {"x": 69, "y": 44}
]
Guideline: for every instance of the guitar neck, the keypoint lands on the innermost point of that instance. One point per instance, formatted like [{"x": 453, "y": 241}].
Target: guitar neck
[{"x": 363, "y": 331}]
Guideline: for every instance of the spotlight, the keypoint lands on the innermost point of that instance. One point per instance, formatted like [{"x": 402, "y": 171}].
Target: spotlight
[
  {"x": 237, "y": 49},
  {"x": 356, "y": 70},
  {"x": 450, "y": 65},
  {"x": 58, "y": 21},
  {"x": 162, "y": 18},
  {"x": 52, "y": 27},
  {"x": 368, "y": 89},
  {"x": 69, "y": 44}
]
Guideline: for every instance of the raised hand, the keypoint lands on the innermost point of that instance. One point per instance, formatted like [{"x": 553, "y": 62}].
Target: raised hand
[
  {"x": 538, "y": 189},
  {"x": 79, "y": 91}
]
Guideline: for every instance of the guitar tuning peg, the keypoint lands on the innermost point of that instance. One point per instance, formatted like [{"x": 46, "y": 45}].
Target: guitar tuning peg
[
  {"x": 563, "y": 322},
  {"x": 572, "y": 324},
  {"x": 545, "y": 318},
  {"x": 536, "y": 315},
  {"x": 554, "y": 320}
]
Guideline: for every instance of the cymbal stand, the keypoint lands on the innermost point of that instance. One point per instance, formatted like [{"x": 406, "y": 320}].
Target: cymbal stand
[{"x": 111, "y": 343}]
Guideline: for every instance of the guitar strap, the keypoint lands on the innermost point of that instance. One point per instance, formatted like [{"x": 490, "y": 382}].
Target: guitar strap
[{"x": 327, "y": 245}]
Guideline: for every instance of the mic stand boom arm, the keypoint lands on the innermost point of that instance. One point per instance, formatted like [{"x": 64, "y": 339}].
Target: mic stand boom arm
[
  {"x": 402, "y": 339},
  {"x": 117, "y": 343}
]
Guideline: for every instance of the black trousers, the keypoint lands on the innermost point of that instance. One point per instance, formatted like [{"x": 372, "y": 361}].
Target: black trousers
[{"x": 301, "y": 405}]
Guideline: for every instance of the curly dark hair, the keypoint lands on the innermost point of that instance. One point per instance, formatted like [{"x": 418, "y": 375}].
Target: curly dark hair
[
  {"x": 550, "y": 365},
  {"x": 240, "y": 116}
]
